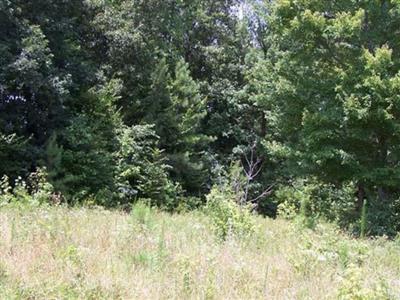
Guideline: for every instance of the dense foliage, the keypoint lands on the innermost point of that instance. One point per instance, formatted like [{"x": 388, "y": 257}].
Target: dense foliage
[{"x": 123, "y": 100}]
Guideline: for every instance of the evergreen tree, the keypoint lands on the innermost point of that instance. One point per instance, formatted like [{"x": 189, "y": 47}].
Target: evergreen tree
[
  {"x": 188, "y": 110},
  {"x": 142, "y": 172},
  {"x": 158, "y": 104}
]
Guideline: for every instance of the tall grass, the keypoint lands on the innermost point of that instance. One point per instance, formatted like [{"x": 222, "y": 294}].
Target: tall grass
[{"x": 60, "y": 253}]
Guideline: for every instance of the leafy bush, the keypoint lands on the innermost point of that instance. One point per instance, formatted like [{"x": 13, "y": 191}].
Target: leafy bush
[
  {"x": 297, "y": 201},
  {"x": 353, "y": 288},
  {"x": 383, "y": 217},
  {"x": 312, "y": 199},
  {"x": 227, "y": 216},
  {"x": 189, "y": 203},
  {"x": 35, "y": 191},
  {"x": 41, "y": 190}
]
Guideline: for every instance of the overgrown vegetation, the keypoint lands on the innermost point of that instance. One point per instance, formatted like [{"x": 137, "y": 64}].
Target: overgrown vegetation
[
  {"x": 77, "y": 253},
  {"x": 156, "y": 100},
  {"x": 143, "y": 143}
]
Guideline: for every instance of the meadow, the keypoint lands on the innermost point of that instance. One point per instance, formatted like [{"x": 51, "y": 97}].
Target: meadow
[{"x": 92, "y": 253}]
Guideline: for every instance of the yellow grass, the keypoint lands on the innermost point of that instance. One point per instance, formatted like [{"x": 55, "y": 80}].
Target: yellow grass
[{"x": 60, "y": 253}]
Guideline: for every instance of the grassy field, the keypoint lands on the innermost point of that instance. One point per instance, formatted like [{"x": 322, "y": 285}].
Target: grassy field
[{"x": 60, "y": 253}]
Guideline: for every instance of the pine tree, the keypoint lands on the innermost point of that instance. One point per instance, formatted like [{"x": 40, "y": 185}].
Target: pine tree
[
  {"x": 142, "y": 170},
  {"x": 188, "y": 109},
  {"x": 158, "y": 106},
  {"x": 176, "y": 108}
]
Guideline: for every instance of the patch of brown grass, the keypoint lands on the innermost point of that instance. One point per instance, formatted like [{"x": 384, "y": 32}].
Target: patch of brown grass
[{"x": 60, "y": 253}]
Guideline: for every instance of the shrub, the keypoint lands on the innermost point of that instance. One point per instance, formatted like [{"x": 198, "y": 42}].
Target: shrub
[
  {"x": 312, "y": 199},
  {"x": 189, "y": 204},
  {"x": 353, "y": 288},
  {"x": 227, "y": 216},
  {"x": 41, "y": 190},
  {"x": 382, "y": 217},
  {"x": 35, "y": 191},
  {"x": 297, "y": 200}
]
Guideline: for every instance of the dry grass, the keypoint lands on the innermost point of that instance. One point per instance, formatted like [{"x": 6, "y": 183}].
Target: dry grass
[{"x": 60, "y": 253}]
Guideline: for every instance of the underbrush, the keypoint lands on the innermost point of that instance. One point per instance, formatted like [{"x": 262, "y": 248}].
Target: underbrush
[{"x": 79, "y": 253}]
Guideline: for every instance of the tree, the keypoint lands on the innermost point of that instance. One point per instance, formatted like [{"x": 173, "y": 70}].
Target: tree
[
  {"x": 42, "y": 68},
  {"x": 333, "y": 92},
  {"x": 81, "y": 158},
  {"x": 188, "y": 110},
  {"x": 158, "y": 106},
  {"x": 142, "y": 171}
]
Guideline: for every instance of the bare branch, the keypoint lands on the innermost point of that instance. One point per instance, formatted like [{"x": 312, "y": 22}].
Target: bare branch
[{"x": 267, "y": 192}]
